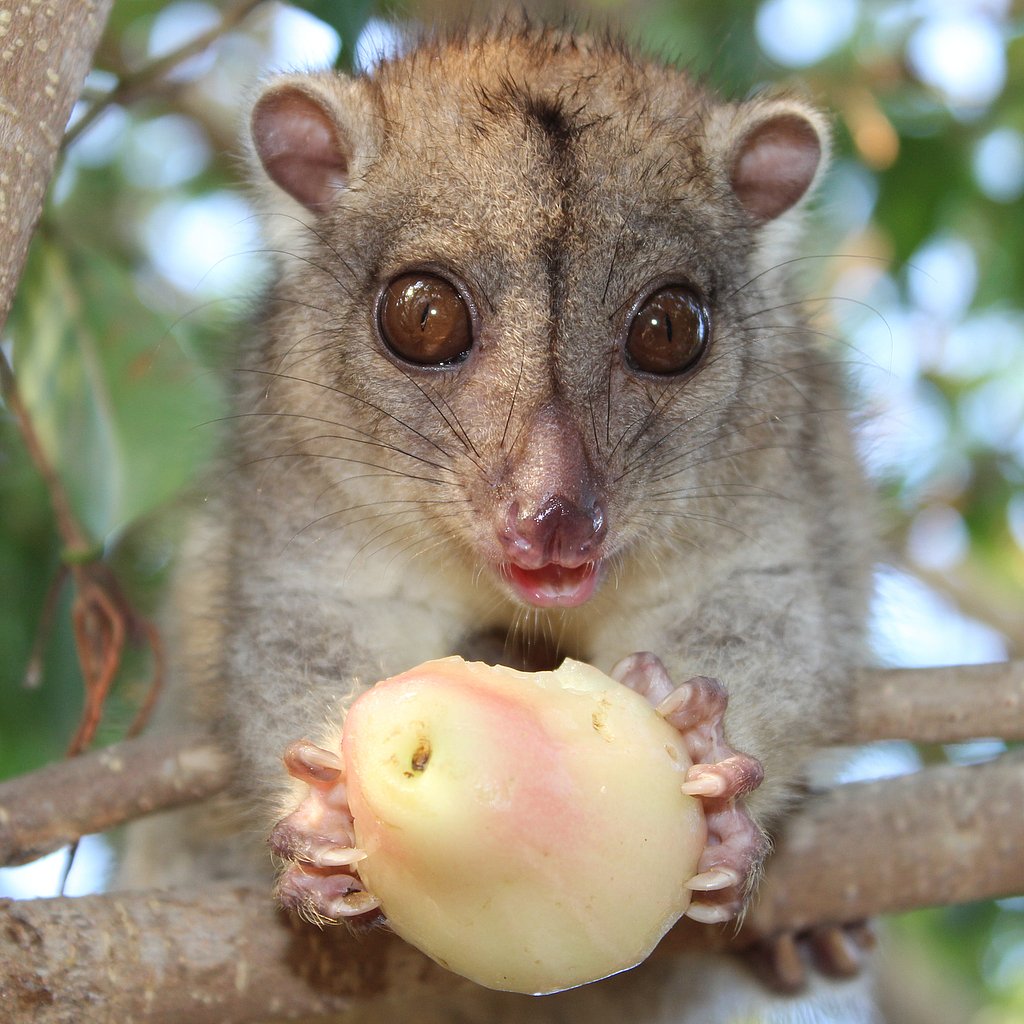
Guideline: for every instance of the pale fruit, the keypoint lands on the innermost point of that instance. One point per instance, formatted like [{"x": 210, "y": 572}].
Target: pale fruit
[{"x": 526, "y": 830}]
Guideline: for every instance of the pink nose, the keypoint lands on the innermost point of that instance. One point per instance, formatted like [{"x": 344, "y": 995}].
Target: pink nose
[{"x": 560, "y": 531}]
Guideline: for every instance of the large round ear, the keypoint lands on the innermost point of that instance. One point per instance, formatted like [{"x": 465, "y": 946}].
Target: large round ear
[
  {"x": 301, "y": 136},
  {"x": 780, "y": 147}
]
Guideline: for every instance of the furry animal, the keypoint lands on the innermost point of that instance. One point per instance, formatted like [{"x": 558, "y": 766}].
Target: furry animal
[{"x": 532, "y": 380}]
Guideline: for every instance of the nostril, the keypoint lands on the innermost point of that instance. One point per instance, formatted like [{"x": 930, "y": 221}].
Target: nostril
[{"x": 559, "y": 530}]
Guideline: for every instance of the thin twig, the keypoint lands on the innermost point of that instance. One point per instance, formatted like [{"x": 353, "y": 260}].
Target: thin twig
[
  {"x": 131, "y": 87},
  {"x": 34, "y": 669},
  {"x": 76, "y": 541},
  {"x": 104, "y": 619}
]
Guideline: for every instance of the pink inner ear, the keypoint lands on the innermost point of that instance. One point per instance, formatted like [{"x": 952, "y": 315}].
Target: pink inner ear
[
  {"x": 775, "y": 165},
  {"x": 299, "y": 147}
]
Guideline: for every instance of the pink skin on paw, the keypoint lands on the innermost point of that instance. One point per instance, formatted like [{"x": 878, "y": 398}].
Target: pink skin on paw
[
  {"x": 719, "y": 777},
  {"x": 317, "y": 842},
  {"x": 785, "y": 961}
]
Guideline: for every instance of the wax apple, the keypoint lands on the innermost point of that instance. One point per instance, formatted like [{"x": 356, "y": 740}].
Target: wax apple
[{"x": 527, "y": 830}]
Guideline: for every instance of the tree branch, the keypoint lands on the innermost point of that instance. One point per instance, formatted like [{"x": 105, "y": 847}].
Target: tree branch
[
  {"x": 60, "y": 803},
  {"x": 45, "y": 52},
  {"x": 939, "y": 705},
  {"x": 943, "y": 835},
  {"x": 225, "y": 955},
  {"x": 42, "y": 811}
]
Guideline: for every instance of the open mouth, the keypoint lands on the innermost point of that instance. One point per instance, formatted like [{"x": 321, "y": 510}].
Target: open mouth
[{"x": 553, "y": 585}]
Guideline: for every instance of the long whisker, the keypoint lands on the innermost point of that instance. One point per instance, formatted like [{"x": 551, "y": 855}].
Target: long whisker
[
  {"x": 701, "y": 517},
  {"x": 370, "y": 443},
  {"x": 803, "y": 259},
  {"x": 417, "y": 509},
  {"x": 385, "y": 470},
  {"x": 732, "y": 454},
  {"x": 515, "y": 395},
  {"x": 308, "y": 261},
  {"x": 352, "y": 397},
  {"x": 321, "y": 238},
  {"x": 462, "y": 437},
  {"x": 363, "y": 437},
  {"x": 784, "y": 373},
  {"x": 703, "y": 493},
  {"x": 422, "y": 522},
  {"x": 718, "y": 434}
]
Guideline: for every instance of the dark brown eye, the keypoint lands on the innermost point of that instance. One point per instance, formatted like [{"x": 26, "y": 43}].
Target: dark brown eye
[
  {"x": 669, "y": 332},
  {"x": 424, "y": 320}
]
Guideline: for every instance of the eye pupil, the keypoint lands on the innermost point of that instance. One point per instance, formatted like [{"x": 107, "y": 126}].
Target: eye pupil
[
  {"x": 669, "y": 332},
  {"x": 424, "y": 319}
]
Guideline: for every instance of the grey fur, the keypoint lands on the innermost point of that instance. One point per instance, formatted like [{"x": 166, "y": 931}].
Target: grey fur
[{"x": 353, "y": 537}]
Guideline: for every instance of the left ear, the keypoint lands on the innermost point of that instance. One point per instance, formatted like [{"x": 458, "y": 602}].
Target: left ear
[{"x": 778, "y": 150}]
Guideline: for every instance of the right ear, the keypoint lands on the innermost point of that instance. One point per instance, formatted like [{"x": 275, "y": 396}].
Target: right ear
[
  {"x": 303, "y": 132},
  {"x": 774, "y": 150}
]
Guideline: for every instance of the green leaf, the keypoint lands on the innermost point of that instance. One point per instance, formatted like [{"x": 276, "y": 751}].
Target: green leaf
[{"x": 115, "y": 398}]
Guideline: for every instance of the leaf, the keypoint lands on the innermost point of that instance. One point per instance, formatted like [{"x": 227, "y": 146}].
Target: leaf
[{"x": 114, "y": 397}]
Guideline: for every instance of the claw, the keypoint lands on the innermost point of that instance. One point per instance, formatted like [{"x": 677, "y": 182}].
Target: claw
[
  {"x": 709, "y": 913},
  {"x": 716, "y": 878},
  {"x": 310, "y": 836},
  {"x": 785, "y": 966},
  {"x": 324, "y": 897},
  {"x": 698, "y": 699},
  {"x": 312, "y": 764},
  {"x": 317, "y": 842},
  {"x": 339, "y": 856},
  {"x": 644, "y": 673},
  {"x": 704, "y": 784},
  {"x": 719, "y": 776},
  {"x": 839, "y": 952},
  {"x": 734, "y": 776},
  {"x": 786, "y": 960},
  {"x": 352, "y": 904}
]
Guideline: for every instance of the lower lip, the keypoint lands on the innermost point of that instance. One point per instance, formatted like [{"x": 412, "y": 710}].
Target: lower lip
[{"x": 552, "y": 585}]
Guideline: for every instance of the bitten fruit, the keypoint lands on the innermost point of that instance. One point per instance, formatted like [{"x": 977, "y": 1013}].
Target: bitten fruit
[{"x": 527, "y": 830}]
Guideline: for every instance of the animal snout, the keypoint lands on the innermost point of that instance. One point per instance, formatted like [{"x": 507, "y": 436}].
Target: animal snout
[{"x": 559, "y": 531}]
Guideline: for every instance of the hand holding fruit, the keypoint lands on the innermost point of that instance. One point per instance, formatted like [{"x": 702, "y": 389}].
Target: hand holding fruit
[{"x": 531, "y": 831}]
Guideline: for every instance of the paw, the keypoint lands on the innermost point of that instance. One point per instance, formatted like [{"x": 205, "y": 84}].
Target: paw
[
  {"x": 785, "y": 961},
  {"x": 317, "y": 842},
  {"x": 719, "y": 776}
]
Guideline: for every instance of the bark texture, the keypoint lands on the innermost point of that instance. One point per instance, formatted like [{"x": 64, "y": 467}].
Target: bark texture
[
  {"x": 56, "y": 805},
  {"x": 46, "y": 49},
  {"x": 940, "y": 705},
  {"x": 949, "y": 834},
  {"x": 225, "y": 955}
]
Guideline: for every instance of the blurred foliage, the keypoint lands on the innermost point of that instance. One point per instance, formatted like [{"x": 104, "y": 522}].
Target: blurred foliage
[
  {"x": 129, "y": 447},
  {"x": 145, "y": 264}
]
